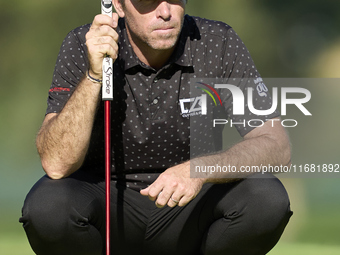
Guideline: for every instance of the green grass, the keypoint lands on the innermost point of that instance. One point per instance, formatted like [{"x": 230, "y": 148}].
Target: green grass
[
  {"x": 318, "y": 235},
  {"x": 17, "y": 245},
  {"x": 285, "y": 248},
  {"x": 12, "y": 244}
]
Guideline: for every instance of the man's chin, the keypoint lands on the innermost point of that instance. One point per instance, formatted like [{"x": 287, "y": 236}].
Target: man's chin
[{"x": 163, "y": 44}]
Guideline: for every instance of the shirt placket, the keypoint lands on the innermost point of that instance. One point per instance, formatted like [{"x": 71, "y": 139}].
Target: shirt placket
[{"x": 156, "y": 96}]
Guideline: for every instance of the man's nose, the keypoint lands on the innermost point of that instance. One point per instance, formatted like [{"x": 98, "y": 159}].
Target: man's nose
[{"x": 163, "y": 10}]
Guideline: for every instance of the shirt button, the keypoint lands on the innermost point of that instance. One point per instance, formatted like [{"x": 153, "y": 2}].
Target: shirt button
[
  {"x": 155, "y": 101},
  {"x": 155, "y": 80}
]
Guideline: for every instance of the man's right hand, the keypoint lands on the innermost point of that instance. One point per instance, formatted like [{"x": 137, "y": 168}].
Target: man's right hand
[{"x": 102, "y": 41}]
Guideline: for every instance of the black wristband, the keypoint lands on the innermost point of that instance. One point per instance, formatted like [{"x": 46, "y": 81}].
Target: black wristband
[{"x": 89, "y": 77}]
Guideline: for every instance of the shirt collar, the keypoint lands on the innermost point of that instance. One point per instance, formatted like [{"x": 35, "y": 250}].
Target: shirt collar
[
  {"x": 181, "y": 56},
  {"x": 182, "y": 53},
  {"x": 126, "y": 56}
]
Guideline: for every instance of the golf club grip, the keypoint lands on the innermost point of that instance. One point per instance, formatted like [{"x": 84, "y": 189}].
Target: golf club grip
[{"x": 107, "y": 89}]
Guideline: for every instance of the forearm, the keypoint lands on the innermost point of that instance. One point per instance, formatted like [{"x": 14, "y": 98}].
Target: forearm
[
  {"x": 259, "y": 150},
  {"x": 63, "y": 140}
]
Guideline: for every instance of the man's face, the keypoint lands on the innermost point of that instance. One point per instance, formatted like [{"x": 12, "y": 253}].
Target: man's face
[{"x": 155, "y": 23}]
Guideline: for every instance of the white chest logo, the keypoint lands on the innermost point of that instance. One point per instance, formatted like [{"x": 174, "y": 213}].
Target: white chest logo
[{"x": 193, "y": 106}]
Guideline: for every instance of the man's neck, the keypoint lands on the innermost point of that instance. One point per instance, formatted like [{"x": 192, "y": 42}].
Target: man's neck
[{"x": 151, "y": 57}]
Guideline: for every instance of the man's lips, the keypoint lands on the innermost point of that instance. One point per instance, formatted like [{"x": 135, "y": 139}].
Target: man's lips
[{"x": 163, "y": 28}]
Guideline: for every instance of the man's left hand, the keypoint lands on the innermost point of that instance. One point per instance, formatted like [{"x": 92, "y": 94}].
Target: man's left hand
[{"x": 174, "y": 187}]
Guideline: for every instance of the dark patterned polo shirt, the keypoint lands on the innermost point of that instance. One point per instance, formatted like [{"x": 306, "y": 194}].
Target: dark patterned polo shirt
[{"x": 150, "y": 131}]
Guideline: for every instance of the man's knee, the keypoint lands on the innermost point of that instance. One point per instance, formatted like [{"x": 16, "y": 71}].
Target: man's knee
[
  {"x": 268, "y": 212},
  {"x": 269, "y": 198},
  {"x": 46, "y": 210},
  {"x": 253, "y": 211},
  {"x": 56, "y": 219}
]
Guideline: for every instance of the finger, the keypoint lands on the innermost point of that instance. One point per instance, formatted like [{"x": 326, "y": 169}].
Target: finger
[
  {"x": 102, "y": 19},
  {"x": 105, "y": 35},
  {"x": 98, "y": 52},
  {"x": 163, "y": 198},
  {"x": 186, "y": 199},
  {"x": 145, "y": 192},
  {"x": 109, "y": 37},
  {"x": 154, "y": 191},
  {"x": 173, "y": 201},
  {"x": 104, "y": 39},
  {"x": 103, "y": 25},
  {"x": 103, "y": 30},
  {"x": 177, "y": 195},
  {"x": 96, "y": 55},
  {"x": 102, "y": 46},
  {"x": 169, "y": 188}
]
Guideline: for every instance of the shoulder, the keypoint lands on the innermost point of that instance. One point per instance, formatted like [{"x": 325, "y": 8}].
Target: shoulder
[
  {"x": 208, "y": 27},
  {"x": 78, "y": 34},
  {"x": 81, "y": 30}
]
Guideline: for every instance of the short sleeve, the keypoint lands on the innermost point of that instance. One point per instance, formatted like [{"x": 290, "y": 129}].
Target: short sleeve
[
  {"x": 241, "y": 72},
  {"x": 70, "y": 68}
]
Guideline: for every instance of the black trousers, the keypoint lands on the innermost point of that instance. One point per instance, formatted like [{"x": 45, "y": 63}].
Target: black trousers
[{"x": 67, "y": 217}]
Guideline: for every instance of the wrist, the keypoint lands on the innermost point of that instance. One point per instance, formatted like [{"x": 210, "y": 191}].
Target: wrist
[
  {"x": 94, "y": 74},
  {"x": 200, "y": 179},
  {"x": 93, "y": 78}
]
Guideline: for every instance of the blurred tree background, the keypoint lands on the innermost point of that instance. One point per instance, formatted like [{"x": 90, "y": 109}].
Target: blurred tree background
[{"x": 287, "y": 39}]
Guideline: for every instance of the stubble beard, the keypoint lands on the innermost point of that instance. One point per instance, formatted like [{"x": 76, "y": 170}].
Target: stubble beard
[
  {"x": 163, "y": 42},
  {"x": 158, "y": 42}
]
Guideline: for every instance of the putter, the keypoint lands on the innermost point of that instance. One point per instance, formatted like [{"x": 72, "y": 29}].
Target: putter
[{"x": 107, "y": 97}]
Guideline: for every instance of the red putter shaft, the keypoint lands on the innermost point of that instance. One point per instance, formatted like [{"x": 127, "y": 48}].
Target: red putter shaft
[
  {"x": 107, "y": 170},
  {"x": 107, "y": 96}
]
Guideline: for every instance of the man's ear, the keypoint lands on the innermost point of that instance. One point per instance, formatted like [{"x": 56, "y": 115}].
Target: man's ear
[{"x": 118, "y": 5}]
